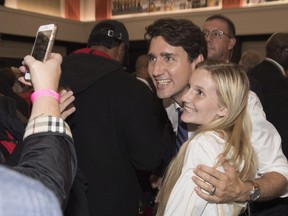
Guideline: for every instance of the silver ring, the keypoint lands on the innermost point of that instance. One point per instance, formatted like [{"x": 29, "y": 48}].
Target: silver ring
[{"x": 212, "y": 192}]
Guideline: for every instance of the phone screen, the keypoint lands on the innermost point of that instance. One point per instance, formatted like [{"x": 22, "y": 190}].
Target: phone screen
[{"x": 41, "y": 44}]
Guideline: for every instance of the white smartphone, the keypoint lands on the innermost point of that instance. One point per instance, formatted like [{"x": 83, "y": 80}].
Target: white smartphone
[{"x": 43, "y": 44}]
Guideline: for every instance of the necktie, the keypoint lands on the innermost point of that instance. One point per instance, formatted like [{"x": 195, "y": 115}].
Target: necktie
[{"x": 182, "y": 132}]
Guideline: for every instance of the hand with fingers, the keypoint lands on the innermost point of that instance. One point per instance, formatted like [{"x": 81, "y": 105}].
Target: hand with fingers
[
  {"x": 66, "y": 103},
  {"x": 43, "y": 75},
  {"x": 221, "y": 187},
  {"x": 41, "y": 79}
]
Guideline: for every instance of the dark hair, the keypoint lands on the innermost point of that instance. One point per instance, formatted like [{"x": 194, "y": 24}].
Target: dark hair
[
  {"x": 275, "y": 46},
  {"x": 109, "y": 34},
  {"x": 278, "y": 40},
  {"x": 99, "y": 39},
  {"x": 8, "y": 75},
  {"x": 179, "y": 32},
  {"x": 230, "y": 24}
]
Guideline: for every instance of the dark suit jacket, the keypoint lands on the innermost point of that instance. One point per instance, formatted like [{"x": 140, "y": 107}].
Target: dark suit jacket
[
  {"x": 270, "y": 77},
  {"x": 276, "y": 109},
  {"x": 168, "y": 140},
  {"x": 256, "y": 87}
]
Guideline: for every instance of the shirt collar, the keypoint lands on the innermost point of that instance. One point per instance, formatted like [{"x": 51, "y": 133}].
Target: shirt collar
[
  {"x": 277, "y": 64},
  {"x": 177, "y": 106},
  {"x": 146, "y": 82},
  {"x": 93, "y": 52}
]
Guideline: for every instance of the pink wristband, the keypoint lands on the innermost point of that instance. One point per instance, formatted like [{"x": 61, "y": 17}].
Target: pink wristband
[{"x": 44, "y": 92}]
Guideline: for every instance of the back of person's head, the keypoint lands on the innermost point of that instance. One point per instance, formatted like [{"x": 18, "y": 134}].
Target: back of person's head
[
  {"x": 179, "y": 32},
  {"x": 141, "y": 67},
  {"x": 249, "y": 59},
  {"x": 110, "y": 34},
  {"x": 9, "y": 75},
  {"x": 230, "y": 24},
  {"x": 277, "y": 48}
]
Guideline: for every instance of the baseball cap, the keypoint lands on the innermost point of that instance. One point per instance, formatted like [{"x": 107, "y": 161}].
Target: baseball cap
[{"x": 110, "y": 28}]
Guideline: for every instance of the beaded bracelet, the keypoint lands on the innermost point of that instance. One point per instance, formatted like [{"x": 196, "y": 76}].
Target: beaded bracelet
[{"x": 44, "y": 92}]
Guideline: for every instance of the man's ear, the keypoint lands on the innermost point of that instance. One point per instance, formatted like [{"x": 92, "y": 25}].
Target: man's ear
[
  {"x": 232, "y": 42},
  {"x": 120, "y": 52},
  {"x": 200, "y": 58},
  {"x": 121, "y": 49}
]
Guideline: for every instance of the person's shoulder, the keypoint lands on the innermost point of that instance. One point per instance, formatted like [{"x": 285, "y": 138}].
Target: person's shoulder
[
  {"x": 207, "y": 138},
  {"x": 254, "y": 101},
  {"x": 25, "y": 195},
  {"x": 131, "y": 82},
  {"x": 206, "y": 144},
  {"x": 258, "y": 68},
  {"x": 12, "y": 181}
]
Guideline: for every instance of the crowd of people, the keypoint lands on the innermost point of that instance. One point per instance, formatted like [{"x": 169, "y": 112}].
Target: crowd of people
[{"x": 189, "y": 129}]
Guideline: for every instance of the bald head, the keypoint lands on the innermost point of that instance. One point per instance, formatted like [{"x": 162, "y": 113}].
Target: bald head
[
  {"x": 277, "y": 48},
  {"x": 141, "y": 67},
  {"x": 277, "y": 40},
  {"x": 249, "y": 59}
]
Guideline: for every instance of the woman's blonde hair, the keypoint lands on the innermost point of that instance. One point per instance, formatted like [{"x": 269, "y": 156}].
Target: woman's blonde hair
[{"x": 232, "y": 88}]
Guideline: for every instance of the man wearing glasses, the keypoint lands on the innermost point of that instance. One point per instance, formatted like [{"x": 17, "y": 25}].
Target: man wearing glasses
[
  {"x": 220, "y": 36},
  {"x": 219, "y": 32}
]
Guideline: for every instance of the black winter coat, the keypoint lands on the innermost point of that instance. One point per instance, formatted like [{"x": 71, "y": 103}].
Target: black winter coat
[
  {"x": 270, "y": 77},
  {"x": 47, "y": 156},
  {"x": 115, "y": 130}
]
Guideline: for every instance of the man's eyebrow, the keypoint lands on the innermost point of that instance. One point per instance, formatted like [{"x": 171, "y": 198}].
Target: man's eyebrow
[
  {"x": 150, "y": 55},
  {"x": 163, "y": 54},
  {"x": 166, "y": 54}
]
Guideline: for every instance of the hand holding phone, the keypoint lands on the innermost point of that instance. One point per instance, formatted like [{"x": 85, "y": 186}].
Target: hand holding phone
[{"x": 43, "y": 44}]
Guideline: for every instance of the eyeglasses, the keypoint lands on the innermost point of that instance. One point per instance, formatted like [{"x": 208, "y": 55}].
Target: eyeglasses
[{"x": 215, "y": 34}]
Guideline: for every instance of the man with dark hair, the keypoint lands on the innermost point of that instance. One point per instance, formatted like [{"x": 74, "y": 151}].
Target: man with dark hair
[
  {"x": 176, "y": 47},
  {"x": 115, "y": 127}
]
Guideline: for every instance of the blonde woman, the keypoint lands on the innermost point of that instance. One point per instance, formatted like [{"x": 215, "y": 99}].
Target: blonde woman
[{"x": 216, "y": 101}]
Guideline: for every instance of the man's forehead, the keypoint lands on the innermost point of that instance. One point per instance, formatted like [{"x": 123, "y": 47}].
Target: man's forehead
[
  {"x": 162, "y": 53},
  {"x": 161, "y": 47},
  {"x": 215, "y": 24},
  {"x": 176, "y": 54}
]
